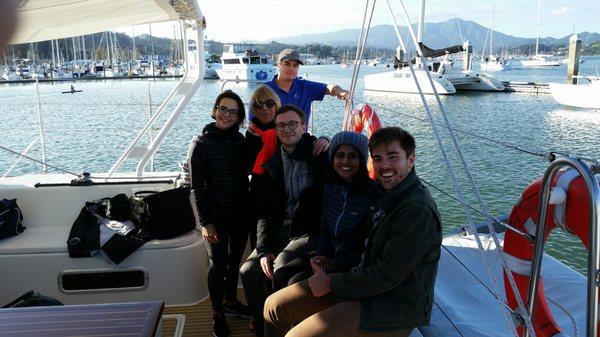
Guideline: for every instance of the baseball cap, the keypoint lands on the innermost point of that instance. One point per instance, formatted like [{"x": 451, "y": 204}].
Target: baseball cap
[{"x": 289, "y": 54}]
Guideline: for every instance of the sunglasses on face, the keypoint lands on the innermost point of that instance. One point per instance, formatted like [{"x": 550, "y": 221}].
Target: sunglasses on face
[
  {"x": 225, "y": 110},
  {"x": 292, "y": 125},
  {"x": 268, "y": 103}
]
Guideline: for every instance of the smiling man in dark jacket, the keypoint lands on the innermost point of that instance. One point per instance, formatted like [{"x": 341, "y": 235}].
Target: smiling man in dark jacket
[
  {"x": 290, "y": 208},
  {"x": 391, "y": 291}
]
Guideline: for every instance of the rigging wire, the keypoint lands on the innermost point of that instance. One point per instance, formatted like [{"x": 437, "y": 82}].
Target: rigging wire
[
  {"x": 545, "y": 155},
  {"x": 448, "y": 318},
  {"x": 38, "y": 161},
  {"x": 464, "y": 166},
  {"x": 527, "y": 236}
]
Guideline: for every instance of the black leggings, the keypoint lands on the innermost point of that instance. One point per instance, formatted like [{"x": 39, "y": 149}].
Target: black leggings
[{"x": 225, "y": 257}]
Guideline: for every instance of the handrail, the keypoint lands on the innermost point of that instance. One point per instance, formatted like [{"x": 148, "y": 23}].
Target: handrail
[
  {"x": 593, "y": 189},
  {"x": 188, "y": 84}
]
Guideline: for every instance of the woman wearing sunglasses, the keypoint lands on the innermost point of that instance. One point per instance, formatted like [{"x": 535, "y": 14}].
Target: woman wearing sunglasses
[{"x": 219, "y": 190}]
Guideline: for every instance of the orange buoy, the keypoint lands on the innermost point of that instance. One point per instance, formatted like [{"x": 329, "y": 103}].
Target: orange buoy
[{"x": 568, "y": 209}]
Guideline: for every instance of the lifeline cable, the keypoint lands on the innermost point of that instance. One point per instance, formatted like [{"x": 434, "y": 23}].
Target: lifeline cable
[
  {"x": 546, "y": 155},
  {"x": 527, "y": 236}
]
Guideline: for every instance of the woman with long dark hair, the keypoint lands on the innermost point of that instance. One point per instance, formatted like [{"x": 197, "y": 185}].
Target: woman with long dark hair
[{"x": 219, "y": 191}]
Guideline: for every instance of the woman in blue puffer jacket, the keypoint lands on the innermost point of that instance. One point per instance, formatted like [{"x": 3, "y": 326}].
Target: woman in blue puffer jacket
[{"x": 347, "y": 199}]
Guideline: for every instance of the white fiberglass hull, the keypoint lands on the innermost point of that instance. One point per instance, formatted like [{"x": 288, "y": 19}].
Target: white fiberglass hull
[
  {"x": 470, "y": 80},
  {"x": 494, "y": 66},
  {"x": 261, "y": 72},
  {"x": 402, "y": 81},
  {"x": 581, "y": 96},
  {"x": 539, "y": 63}
]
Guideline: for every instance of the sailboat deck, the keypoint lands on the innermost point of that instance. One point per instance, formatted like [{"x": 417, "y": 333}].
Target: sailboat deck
[{"x": 198, "y": 320}]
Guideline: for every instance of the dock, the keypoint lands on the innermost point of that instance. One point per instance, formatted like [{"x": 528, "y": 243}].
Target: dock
[
  {"x": 90, "y": 78},
  {"x": 527, "y": 87}
]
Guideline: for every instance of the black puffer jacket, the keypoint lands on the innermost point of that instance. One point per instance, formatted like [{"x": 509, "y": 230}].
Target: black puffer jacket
[
  {"x": 218, "y": 172},
  {"x": 307, "y": 210},
  {"x": 344, "y": 222}
]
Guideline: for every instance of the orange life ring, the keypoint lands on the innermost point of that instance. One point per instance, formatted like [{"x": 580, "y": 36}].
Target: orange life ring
[
  {"x": 364, "y": 117},
  {"x": 568, "y": 209}
]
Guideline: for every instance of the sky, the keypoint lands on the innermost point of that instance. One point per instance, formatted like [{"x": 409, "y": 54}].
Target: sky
[{"x": 263, "y": 20}]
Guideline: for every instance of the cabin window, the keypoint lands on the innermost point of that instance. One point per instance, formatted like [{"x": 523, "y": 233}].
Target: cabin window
[
  {"x": 245, "y": 59},
  {"x": 264, "y": 60},
  {"x": 98, "y": 280},
  {"x": 231, "y": 61},
  {"x": 255, "y": 60}
]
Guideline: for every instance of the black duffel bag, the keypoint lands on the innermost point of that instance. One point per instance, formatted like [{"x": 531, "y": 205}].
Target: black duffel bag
[
  {"x": 11, "y": 218},
  {"x": 164, "y": 215}
]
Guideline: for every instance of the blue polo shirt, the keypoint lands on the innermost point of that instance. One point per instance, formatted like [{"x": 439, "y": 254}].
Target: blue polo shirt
[{"x": 302, "y": 93}]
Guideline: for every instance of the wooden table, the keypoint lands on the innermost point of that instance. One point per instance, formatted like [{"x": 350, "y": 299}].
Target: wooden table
[{"x": 114, "y": 319}]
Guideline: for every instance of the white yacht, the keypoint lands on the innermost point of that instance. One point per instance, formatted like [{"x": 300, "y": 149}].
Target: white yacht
[
  {"x": 491, "y": 62},
  {"x": 402, "y": 81},
  {"x": 446, "y": 78},
  {"x": 580, "y": 95},
  {"x": 540, "y": 60},
  {"x": 245, "y": 63}
]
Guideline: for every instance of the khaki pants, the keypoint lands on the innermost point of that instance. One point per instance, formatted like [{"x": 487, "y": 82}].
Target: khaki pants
[{"x": 295, "y": 312}]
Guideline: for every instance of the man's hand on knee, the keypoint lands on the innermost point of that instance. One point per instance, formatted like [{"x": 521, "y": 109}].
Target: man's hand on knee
[{"x": 266, "y": 263}]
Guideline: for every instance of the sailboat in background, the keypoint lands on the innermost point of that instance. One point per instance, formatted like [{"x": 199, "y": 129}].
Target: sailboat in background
[
  {"x": 493, "y": 63},
  {"x": 540, "y": 60}
]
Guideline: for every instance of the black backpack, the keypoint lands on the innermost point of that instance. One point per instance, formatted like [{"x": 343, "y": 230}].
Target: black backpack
[
  {"x": 164, "y": 215},
  {"x": 11, "y": 218}
]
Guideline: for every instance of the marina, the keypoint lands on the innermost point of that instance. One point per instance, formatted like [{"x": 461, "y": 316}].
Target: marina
[{"x": 507, "y": 138}]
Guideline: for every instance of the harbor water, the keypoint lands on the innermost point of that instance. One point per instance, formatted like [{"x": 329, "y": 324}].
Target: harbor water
[{"x": 88, "y": 131}]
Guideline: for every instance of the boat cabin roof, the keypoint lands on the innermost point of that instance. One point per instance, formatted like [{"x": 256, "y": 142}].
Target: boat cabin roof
[{"x": 41, "y": 20}]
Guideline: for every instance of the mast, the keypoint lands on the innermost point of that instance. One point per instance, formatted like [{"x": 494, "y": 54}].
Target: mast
[
  {"x": 421, "y": 27},
  {"x": 492, "y": 28},
  {"x": 421, "y": 22},
  {"x": 83, "y": 46},
  {"x": 537, "y": 37}
]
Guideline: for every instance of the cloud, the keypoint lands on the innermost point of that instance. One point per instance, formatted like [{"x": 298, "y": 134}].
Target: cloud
[{"x": 561, "y": 11}]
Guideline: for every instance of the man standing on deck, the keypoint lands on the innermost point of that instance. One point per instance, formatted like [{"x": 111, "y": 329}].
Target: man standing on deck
[
  {"x": 291, "y": 194},
  {"x": 391, "y": 291},
  {"x": 297, "y": 91}
]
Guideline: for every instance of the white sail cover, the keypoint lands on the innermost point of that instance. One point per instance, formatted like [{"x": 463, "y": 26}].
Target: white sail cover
[{"x": 41, "y": 20}]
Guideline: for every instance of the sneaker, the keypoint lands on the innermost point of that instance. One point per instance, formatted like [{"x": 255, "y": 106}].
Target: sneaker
[
  {"x": 237, "y": 309},
  {"x": 220, "y": 328}
]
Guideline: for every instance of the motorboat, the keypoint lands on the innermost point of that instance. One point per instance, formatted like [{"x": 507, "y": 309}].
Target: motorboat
[{"x": 245, "y": 63}]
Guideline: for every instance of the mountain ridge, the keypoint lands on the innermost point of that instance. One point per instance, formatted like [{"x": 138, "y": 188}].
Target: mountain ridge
[{"x": 436, "y": 35}]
